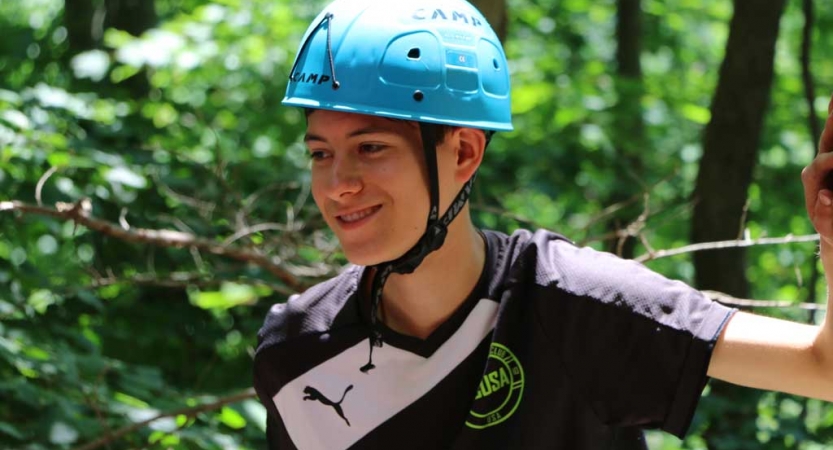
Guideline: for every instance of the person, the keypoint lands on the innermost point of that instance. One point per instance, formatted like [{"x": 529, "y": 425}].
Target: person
[{"x": 440, "y": 335}]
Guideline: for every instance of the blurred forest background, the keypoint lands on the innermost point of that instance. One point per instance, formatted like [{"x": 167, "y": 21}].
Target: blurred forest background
[{"x": 154, "y": 195}]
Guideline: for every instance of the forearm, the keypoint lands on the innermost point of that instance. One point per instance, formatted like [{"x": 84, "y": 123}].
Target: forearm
[{"x": 773, "y": 354}]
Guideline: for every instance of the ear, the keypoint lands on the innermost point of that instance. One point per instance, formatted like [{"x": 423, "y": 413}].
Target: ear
[{"x": 470, "y": 145}]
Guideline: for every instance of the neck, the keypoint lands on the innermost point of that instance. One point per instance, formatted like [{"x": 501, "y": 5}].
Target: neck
[{"x": 416, "y": 304}]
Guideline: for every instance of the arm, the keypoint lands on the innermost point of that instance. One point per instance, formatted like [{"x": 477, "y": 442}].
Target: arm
[{"x": 778, "y": 355}]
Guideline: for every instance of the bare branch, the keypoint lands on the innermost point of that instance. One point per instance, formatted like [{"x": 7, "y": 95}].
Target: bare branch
[
  {"x": 123, "y": 219},
  {"x": 41, "y": 182},
  {"x": 635, "y": 228},
  {"x": 505, "y": 213},
  {"x": 609, "y": 210},
  {"x": 742, "y": 230},
  {"x": 302, "y": 198},
  {"x": 187, "y": 412},
  {"x": 253, "y": 198},
  {"x": 91, "y": 399},
  {"x": 204, "y": 208},
  {"x": 183, "y": 280},
  {"x": 254, "y": 229},
  {"x": 746, "y": 303},
  {"x": 79, "y": 213},
  {"x": 789, "y": 239}
]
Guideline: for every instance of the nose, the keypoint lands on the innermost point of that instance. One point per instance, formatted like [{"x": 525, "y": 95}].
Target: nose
[{"x": 345, "y": 178}]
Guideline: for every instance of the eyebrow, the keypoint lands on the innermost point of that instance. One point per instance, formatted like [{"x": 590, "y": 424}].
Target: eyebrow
[{"x": 366, "y": 130}]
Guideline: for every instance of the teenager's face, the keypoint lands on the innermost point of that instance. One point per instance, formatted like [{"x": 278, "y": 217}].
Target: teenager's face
[{"x": 369, "y": 181}]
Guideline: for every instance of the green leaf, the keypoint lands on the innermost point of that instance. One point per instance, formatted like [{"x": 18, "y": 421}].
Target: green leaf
[
  {"x": 696, "y": 113},
  {"x": 310, "y": 253},
  {"x": 166, "y": 115},
  {"x": 229, "y": 296},
  {"x": 129, "y": 400},
  {"x": 256, "y": 412},
  {"x": 117, "y": 38},
  {"x": 9, "y": 97},
  {"x": 42, "y": 299},
  {"x": 232, "y": 418},
  {"x": 36, "y": 353},
  {"x": 16, "y": 119},
  {"x": 127, "y": 177},
  {"x": 10, "y": 430},
  {"x": 122, "y": 73},
  {"x": 527, "y": 98},
  {"x": 58, "y": 159}
]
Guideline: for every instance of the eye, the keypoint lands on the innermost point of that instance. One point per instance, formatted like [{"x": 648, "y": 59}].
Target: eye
[
  {"x": 371, "y": 148},
  {"x": 317, "y": 155}
]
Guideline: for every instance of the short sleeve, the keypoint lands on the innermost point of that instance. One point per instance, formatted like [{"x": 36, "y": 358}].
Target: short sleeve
[{"x": 636, "y": 345}]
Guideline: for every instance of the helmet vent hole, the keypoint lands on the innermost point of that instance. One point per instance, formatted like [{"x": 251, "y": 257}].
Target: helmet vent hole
[
  {"x": 494, "y": 63},
  {"x": 418, "y": 96},
  {"x": 413, "y": 53}
]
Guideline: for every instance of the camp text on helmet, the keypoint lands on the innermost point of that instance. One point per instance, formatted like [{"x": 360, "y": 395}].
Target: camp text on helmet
[{"x": 440, "y": 14}]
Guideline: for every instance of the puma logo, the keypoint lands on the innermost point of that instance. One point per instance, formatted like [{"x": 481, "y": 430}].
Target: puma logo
[{"x": 316, "y": 396}]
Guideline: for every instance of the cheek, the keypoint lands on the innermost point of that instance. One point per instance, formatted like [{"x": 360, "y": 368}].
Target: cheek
[{"x": 318, "y": 190}]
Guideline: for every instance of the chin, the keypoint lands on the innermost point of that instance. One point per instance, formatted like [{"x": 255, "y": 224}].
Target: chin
[
  {"x": 366, "y": 258},
  {"x": 371, "y": 255}
]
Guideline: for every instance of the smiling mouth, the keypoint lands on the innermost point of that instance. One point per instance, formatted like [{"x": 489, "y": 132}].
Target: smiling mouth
[{"x": 358, "y": 215}]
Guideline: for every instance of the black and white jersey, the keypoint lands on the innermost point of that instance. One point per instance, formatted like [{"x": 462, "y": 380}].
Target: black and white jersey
[{"x": 557, "y": 347}]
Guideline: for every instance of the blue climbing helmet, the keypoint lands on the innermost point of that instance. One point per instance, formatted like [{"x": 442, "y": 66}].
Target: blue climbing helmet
[{"x": 428, "y": 61}]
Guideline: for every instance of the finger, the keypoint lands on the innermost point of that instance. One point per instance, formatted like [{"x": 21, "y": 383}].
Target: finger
[
  {"x": 813, "y": 178},
  {"x": 826, "y": 141},
  {"x": 823, "y": 214}
]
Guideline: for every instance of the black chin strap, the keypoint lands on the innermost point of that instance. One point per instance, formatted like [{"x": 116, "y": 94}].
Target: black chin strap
[{"x": 433, "y": 238}]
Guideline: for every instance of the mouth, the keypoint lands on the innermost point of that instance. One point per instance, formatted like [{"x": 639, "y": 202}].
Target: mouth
[{"x": 357, "y": 217}]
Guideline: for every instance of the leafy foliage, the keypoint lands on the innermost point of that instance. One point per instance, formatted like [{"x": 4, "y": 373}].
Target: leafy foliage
[{"x": 99, "y": 332}]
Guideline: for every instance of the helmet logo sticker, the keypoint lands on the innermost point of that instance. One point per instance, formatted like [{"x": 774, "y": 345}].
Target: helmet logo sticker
[
  {"x": 439, "y": 14},
  {"x": 312, "y": 78}
]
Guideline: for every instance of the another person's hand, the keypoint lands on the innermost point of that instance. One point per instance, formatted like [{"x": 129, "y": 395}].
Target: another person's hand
[{"x": 818, "y": 185}]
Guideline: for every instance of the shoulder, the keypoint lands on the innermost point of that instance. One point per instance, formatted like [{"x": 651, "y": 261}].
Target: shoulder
[
  {"x": 555, "y": 260},
  {"x": 520, "y": 246},
  {"x": 316, "y": 310},
  {"x": 554, "y": 263}
]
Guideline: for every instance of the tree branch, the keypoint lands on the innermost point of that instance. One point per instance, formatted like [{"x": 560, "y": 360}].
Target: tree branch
[
  {"x": 737, "y": 243},
  {"x": 41, "y": 182},
  {"x": 188, "y": 412},
  {"x": 746, "y": 303},
  {"x": 183, "y": 280},
  {"x": 247, "y": 231},
  {"x": 79, "y": 213}
]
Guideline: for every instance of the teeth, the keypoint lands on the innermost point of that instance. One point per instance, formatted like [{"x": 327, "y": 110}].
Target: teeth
[{"x": 358, "y": 215}]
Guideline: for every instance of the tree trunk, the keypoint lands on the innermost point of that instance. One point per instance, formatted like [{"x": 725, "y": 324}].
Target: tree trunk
[
  {"x": 86, "y": 20},
  {"x": 496, "y": 13},
  {"x": 80, "y": 22},
  {"x": 628, "y": 125},
  {"x": 133, "y": 16},
  {"x": 730, "y": 148},
  {"x": 731, "y": 142}
]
